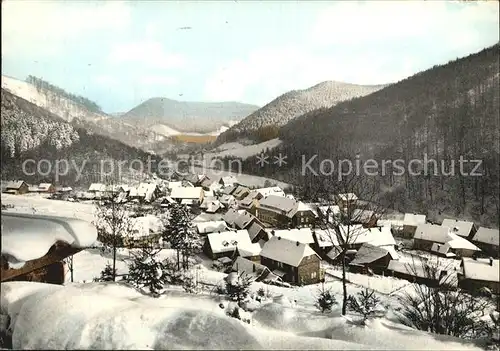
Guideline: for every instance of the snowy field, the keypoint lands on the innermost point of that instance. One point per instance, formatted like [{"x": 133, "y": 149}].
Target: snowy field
[
  {"x": 115, "y": 316},
  {"x": 242, "y": 151}
]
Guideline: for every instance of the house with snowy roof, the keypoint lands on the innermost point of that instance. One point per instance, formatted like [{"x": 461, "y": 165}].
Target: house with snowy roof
[
  {"x": 194, "y": 195},
  {"x": 240, "y": 192},
  {"x": 240, "y": 219},
  {"x": 282, "y": 212},
  {"x": 487, "y": 239},
  {"x": 97, "y": 188},
  {"x": 18, "y": 187},
  {"x": 455, "y": 247},
  {"x": 346, "y": 200},
  {"x": 225, "y": 244},
  {"x": 428, "y": 234},
  {"x": 273, "y": 190},
  {"x": 367, "y": 218},
  {"x": 324, "y": 240},
  {"x": 303, "y": 235},
  {"x": 249, "y": 251},
  {"x": 258, "y": 233},
  {"x": 34, "y": 246},
  {"x": 478, "y": 274},
  {"x": 46, "y": 188},
  {"x": 228, "y": 181},
  {"x": 292, "y": 261},
  {"x": 211, "y": 227},
  {"x": 465, "y": 229},
  {"x": 417, "y": 272},
  {"x": 329, "y": 214},
  {"x": 410, "y": 223},
  {"x": 250, "y": 201},
  {"x": 256, "y": 271},
  {"x": 371, "y": 259}
]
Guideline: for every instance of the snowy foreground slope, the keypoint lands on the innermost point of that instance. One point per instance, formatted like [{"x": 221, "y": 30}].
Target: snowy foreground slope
[{"x": 115, "y": 316}]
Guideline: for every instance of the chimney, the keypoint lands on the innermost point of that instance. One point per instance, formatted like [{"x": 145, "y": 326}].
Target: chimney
[
  {"x": 491, "y": 261},
  {"x": 254, "y": 269},
  {"x": 279, "y": 237},
  {"x": 298, "y": 243},
  {"x": 438, "y": 247}
]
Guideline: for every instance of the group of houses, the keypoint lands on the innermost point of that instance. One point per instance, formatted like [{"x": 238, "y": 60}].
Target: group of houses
[
  {"x": 273, "y": 236},
  {"x": 20, "y": 187}
]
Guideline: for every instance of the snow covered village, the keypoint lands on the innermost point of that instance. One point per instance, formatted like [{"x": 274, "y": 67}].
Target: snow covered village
[{"x": 250, "y": 175}]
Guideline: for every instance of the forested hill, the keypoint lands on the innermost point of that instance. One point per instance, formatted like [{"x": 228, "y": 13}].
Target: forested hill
[
  {"x": 41, "y": 84},
  {"x": 31, "y": 132},
  {"x": 446, "y": 112}
]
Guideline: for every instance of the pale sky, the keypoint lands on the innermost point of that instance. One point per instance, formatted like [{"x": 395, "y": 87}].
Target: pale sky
[{"x": 122, "y": 53}]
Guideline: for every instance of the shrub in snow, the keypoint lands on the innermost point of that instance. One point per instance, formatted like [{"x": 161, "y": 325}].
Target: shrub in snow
[
  {"x": 107, "y": 274},
  {"x": 238, "y": 286},
  {"x": 325, "y": 300},
  {"x": 147, "y": 271},
  {"x": 261, "y": 292},
  {"x": 189, "y": 284},
  {"x": 365, "y": 303}
]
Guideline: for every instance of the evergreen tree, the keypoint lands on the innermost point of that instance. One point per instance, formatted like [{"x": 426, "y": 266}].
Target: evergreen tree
[
  {"x": 146, "y": 271},
  {"x": 180, "y": 234},
  {"x": 325, "y": 300},
  {"x": 238, "y": 286},
  {"x": 107, "y": 274},
  {"x": 364, "y": 304}
]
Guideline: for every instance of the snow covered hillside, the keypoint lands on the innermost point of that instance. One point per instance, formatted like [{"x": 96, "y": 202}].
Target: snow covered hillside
[
  {"x": 294, "y": 104},
  {"x": 52, "y": 102},
  {"x": 242, "y": 151},
  {"x": 116, "y": 316}
]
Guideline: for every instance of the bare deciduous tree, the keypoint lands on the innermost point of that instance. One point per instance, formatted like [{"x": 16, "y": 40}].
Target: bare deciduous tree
[{"x": 344, "y": 224}]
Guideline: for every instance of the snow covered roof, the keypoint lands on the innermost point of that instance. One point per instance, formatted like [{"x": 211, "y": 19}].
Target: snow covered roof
[
  {"x": 334, "y": 209},
  {"x": 443, "y": 249},
  {"x": 280, "y": 204},
  {"x": 228, "y": 180},
  {"x": 362, "y": 216},
  {"x": 44, "y": 186},
  {"x": 254, "y": 229},
  {"x": 15, "y": 184},
  {"x": 214, "y": 206},
  {"x": 286, "y": 251},
  {"x": 27, "y": 237},
  {"x": 457, "y": 242},
  {"x": 414, "y": 219},
  {"x": 146, "y": 225},
  {"x": 237, "y": 219},
  {"x": 481, "y": 269},
  {"x": 240, "y": 191},
  {"x": 368, "y": 253},
  {"x": 379, "y": 236},
  {"x": 210, "y": 227},
  {"x": 249, "y": 199},
  {"x": 348, "y": 197},
  {"x": 487, "y": 236},
  {"x": 227, "y": 199},
  {"x": 186, "y": 193},
  {"x": 246, "y": 250},
  {"x": 249, "y": 267},
  {"x": 97, "y": 187},
  {"x": 432, "y": 232},
  {"x": 228, "y": 241},
  {"x": 301, "y": 207},
  {"x": 326, "y": 237},
  {"x": 274, "y": 190},
  {"x": 462, "y": 228},
  {"x": 228, "y": 190},
  {"x": 302, "y": 235}
]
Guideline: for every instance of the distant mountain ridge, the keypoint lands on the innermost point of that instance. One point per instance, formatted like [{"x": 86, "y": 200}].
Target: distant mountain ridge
[
  {"x": 186, "y": 116},
  {"x": 263, "y": 124}
]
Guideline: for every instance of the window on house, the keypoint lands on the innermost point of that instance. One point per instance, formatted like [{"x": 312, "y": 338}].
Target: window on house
[
  {"x": 313, "y": 275},
  {"x": 280, "y": 264}
]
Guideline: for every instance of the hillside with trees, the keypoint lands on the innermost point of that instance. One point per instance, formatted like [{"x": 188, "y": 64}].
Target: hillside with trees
[
  {"x": 30, "y": 132},
  {"x": 445, "y": 112},
  {"x": 187, "y": 116},
  {"x": 263, "y": 124},
  {"x": 41, "y": 84}
]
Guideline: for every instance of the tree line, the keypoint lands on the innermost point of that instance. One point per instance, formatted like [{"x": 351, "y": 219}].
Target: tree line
[{"x": 41, "y": 84}]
